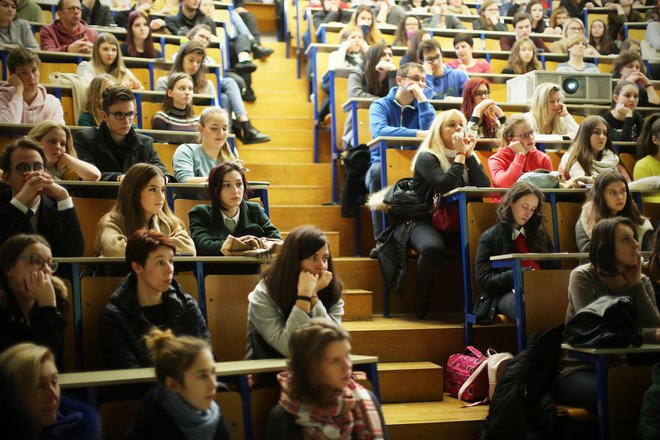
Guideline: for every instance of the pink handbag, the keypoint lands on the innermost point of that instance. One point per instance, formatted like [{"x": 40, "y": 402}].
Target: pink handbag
[{"x": 466, "y": 376}]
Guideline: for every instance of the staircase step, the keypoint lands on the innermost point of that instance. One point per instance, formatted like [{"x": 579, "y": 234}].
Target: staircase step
[
  {"x": 333, "y": 239},
  {"x": 266, "y": 123},
  {"x": 433, "y": 420},
  {"x": 317, "y": 174},
  {"x": 274, "y": 97},
  {"x": 276, "y": 155},
  {"x": 292, "y": 109},
  {"x": 410, "y": 382},
  {"x": 308, "y": 195},
  {"x": 357, "y": 305},
  {"x": 283, "y": 137},
  {"x": 285, "y": 81}
]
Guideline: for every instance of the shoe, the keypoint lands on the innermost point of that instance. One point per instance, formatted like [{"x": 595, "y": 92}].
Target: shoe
[
  {"x": 249, "y": 95},
  {"x": 259, "y": 52},
  {"x": 250, "y": 135},
  {"x": 246, "y": 66},
  {"x": 422, "y": 304},
  {"x": 373, "y": 253}
]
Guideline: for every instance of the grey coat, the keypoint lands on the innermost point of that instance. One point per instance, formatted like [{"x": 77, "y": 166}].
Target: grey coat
[{"x": 20, "y": 33}]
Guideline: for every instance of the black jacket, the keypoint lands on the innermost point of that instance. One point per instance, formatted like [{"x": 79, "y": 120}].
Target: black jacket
[
  {"x": 152, "y": 421},
  {"x": 123, "y": 324},
  {"x": 60, "y": 228},
  {"x": 95, "y": 145},
  {"x": 100, "y": 14},
  {"x": 495, "y": 282},
  {"x": 179, "y": 24}
]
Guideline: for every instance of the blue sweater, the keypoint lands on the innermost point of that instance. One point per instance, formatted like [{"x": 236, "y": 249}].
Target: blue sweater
[
  {"x": 388, "y": 118},
  {"x": 451, "y": 83}
]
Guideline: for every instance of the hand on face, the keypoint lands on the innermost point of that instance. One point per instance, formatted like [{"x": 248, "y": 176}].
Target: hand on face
[
  {"x": 623, "y": 111},
  {"x": 561, "y": 109},
  {"x": 517, "y": 147},
  {"x": 39, "y": 287},
  {"x": 632, "y": 275},
  {"x": 483, "y": 105},
  {"x": 458, "y": 142},
  {"x": 35, "y": 183},
  {"x": 307, "y": 283},
  {"x": 17, "y": 83},
  {"x": 416, "y": 90},
  {"x": 324, "y": 280}
]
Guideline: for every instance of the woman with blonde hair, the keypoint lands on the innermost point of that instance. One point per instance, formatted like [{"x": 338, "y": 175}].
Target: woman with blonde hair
[
  {"x": 32, "y": 370},
  {"x": 57, "y": 142},
  {"x": 572, "y": 27},
  {"x": 92, "y": 116},
  {"x": 548, "y": 114},
  {"x": 107, "y": 58},
  {"x": 141, "y": 203},
  {"x": 576, "y": 46},
  {"x": 194, "y": 162},
  {"x": 523, "y": 58},
  {"x": 363, "y": 17}
]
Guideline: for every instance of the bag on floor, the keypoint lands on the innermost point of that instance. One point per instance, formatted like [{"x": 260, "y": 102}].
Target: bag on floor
[
  {"x": 466, "y": 376},
  {"x": 497, "y": 363}
]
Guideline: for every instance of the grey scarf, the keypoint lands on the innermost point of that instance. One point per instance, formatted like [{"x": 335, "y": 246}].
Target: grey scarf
[{"x": 195, "y": 424}]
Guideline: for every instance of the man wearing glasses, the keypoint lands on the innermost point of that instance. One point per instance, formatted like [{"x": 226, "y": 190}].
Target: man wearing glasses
[
  {"x": 69, "y": 33},
  {"x": 114, "y": 146},
  {"x": 441, "y": 80},
  {"x": 34, "y": 203}
]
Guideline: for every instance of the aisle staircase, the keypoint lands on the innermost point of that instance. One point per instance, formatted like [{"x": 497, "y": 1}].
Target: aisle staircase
[{"x": 411, "y": 352}]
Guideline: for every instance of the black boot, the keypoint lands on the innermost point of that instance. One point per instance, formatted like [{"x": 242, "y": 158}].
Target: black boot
[
  {"x": 250, "y": 135},
  {"x": 422, "y": 304},
  {"x": 261, "y": 51}
]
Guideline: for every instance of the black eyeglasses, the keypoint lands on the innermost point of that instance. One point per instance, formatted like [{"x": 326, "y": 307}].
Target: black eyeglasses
[
  {"x": 23, "y": 168},
  {"x": 37, "y": 262},
  {"x": 121, "y": 115},
  {"x": 482, "y": 94}
]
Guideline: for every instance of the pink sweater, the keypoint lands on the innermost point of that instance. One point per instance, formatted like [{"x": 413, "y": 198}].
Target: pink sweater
[
  {"x": 14, "y": 110},
  {"x": 506, "y": 166},
  {"x": 56, "y": 39}
]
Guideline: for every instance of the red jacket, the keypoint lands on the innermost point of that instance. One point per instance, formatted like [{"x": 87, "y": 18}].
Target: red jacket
[
  {"x": 56, "y": 39},
  {"x": 506, "y": 166}
]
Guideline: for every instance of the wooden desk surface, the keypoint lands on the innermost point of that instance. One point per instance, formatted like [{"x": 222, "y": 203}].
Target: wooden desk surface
[
  {"x": 644, "y": 348},
  {"x": 177, "y": 259},
  {"x": 143, "y": 375},
  {"x": 550, "y": 256}
]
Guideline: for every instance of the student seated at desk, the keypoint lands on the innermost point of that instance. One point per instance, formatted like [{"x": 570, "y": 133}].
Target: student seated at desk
[
  {"x": 463, "y": 45},
  {"x": 33, "y": 299},
  {"x": 388, "y": 12},
  {"x": 405, "y": 111},
  {"x": 14, "y": 32},
  {"x": 177, "y": 111},
  {"x": 599, "y": 38},
  {"x": 556, "y": 22},
  {"x": 592, "y": 152},
  {"x": 405, "y": 29},
  {"x": 62, "y": 162},
  {"x": 299, "y": 285},
  {"x": 441, "y": 19},
  {"x": 610, "y": 197},
  {"x": 576, "y": 47},
  {"x": 485, "y": 116},
  {"x": 34, "y": 203},
  {"x": 92, "y": 114},
  {"x": 34, "y": 374},
  {"x": 22, "y": 99},
  {"x": 106, "y": 58},
  {"x": 413, "y": 46},
  {"x": 28, "y": 10},
  {"x": 572, "y": 27},
  {"x": 536, "y": 11},
  {"x": 115, "y": 146},
  {"x": 576, "y": 8},
  {"x": 648, "y": 163},
  {"x": 615, "y": 269},
  {"x": 193, "y": 162},
  {"x": 624, "y": 121},
  {"x": 621, "y": 12},
  {"x": 365, "y": 19},
  {"x": 517, "y": 153},
  {"x": 141, "y": 203},
  {"x": 96, "y": 13},
  {"x": 229, "y": 213},
  {"x": 139, "y": 41},
  {"x": 69, "y": 33},
  {"x": 523, "y": 58},
  {"x": 318, "y": 394},
  {"x": 629, "y": 66},
  {"x": 548, "y": 114},
  {"x": 181, "y": 407},
  {"x": 522, "y": 26},
  {"x": 441, "y": 80},
  {"x": 457, "y": 7},
  {"x": 521, "y": 228},
  {"x": 148, "y": 297},
  {"x": 489, "y": 18},
  {"x": 333, "y": 11}
]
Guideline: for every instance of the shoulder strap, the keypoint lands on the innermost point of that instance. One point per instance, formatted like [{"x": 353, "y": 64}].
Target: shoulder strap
[{"x": 468, "y": 382}]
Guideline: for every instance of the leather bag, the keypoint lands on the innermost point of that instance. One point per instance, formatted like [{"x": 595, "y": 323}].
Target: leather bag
[
  {"x": 405, "y": 202},
  {"x": 466, "y": 376},
  {"x": 446, "y": 216}
]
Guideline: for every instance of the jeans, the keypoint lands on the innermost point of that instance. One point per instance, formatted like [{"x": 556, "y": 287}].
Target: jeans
[
  {"x": 231, "y": 97},
  {"x": 238, "y": 26},
  {"x": 578, "y": 389},
  {"x": 372, "y": 181}
]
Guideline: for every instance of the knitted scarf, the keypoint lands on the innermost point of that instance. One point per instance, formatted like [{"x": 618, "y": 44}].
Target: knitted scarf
[
  {"x": 350, "y": 412},
  {"x": 194, "y": 424}
]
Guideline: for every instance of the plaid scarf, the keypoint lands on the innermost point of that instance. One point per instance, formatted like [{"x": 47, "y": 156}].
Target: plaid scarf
[{"x": 350, "y": 412}]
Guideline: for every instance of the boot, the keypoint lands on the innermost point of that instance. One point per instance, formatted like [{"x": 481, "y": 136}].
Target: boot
[
  {"x": 250, "y": 135},
  {"x": 261, "y": 51},
  {"x": 422, "y": 304}
]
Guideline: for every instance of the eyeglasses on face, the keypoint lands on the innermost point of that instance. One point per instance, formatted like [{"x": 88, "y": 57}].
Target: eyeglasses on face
[
  {"x": 23, "y": 168},
  {"x": 37, "y": 262},
  {"x": 121, "y": 115},
  {"x": 72, "y": 9},
  {"x": 432, "y": 59},
  {"x": 416, "y": 78},
  {"x": 527, "y": 135},
  {"x": 482, "y": 93}
]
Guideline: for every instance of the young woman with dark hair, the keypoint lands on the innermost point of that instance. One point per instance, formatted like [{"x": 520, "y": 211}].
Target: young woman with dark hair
[
  {"x": 229, "y": 213},
  {"x": 413, "y": 46},
  {"x": 624, "y": 120},
  {"x": 615, "y": 269},
  {"x": 32, "y": 300},
  {"x": 148, "y": 297},
  {"x": 373, "y": 81},
  {"x": 592, "y": 151},
  {"x": 648, "y": 156},
  {"x": 139, "y": 42},
  {"x": 599, "y": 38},
  {"x": 182, "y": 405},
  {"x": 652, "y": 267},
  {"x": 629, "y": 66},
  {"x": 464, "y": 46},
  {"x": 405, "y": 30},
  {"x": 535, "y": 10},
  {"x": 141, "y": 203},
  {"x": 523, "y": 58},
  {"x": 610, "y": 197},
  {"x": 318, "y": 393},
  {"x": 485, "y": 116},
  {"x": 298, "y": 286},
  {"x": 520, "y": 228},
  {"x": 557, "y": 19},
  {"x": 177, "y": 111}
]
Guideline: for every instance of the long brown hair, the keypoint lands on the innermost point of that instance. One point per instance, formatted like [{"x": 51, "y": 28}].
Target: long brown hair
[
  {"x": 580, "y": 151},
  {"x": 516, "y": 64},
  {"x": 168, "y": 102},
  {"x": 645, "y": 144},
  {"x": 199, "y": 78},
  {"x": 281, "y": 278},
  {"x": 149, "y": 50},
  {"x": 600, "y": 210},
  {"x": 536, "y": 233},
  {"x": 371, "y": 59}
]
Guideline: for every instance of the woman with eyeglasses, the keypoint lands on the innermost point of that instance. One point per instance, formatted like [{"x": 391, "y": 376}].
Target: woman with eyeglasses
[
  {"x": 517, "y": 153},
  {"x": 489, "y": 18},
  {"x": 548, "y": 114},
  {"x": 32, "y": 301},
  {"x": 572, "y": 27},
  {"x": 485, "y": 116}
]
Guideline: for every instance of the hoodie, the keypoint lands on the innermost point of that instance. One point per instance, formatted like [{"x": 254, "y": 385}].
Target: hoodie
[
  {"x": 57, "y": 39},
  {"x": 450, "y": 83},
  {"x": 29, "y": 11},
  {"x": 14, "y": 110}
]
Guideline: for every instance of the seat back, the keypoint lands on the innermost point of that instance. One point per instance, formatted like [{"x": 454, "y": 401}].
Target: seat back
[
  {"x": 481, "y": 216},
  {"x": 116, "y": 418},
  {"x": 398, "y": 164},
  {"x": 183, "y": 206},
  {"x": 567, "y": 215},
  {"x": 231, "y": 405},
  {"x": 546, "y": 298},
  {"x": 89, "y": 212},
  {"x": 69, "y": 338}
]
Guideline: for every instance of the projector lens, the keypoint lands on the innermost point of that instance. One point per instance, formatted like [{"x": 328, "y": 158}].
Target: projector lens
[{"x": 570, "y": 86}]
